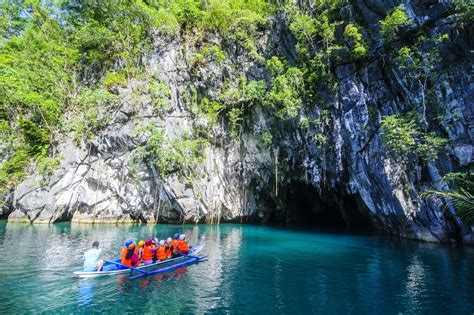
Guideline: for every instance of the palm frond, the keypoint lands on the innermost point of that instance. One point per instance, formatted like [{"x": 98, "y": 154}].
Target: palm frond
[{"x": 462, "y": 200}]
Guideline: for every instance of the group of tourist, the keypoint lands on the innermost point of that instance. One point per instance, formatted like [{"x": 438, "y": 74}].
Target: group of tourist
[
  {"x": 150, "y": 251},
  {"x": 144, "y": 252}
]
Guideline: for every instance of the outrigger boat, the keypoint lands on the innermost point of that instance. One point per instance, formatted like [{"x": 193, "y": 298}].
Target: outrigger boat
[{"x": 114, "y": 267}]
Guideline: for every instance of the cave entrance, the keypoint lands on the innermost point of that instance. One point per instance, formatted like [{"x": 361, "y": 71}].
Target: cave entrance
[{"x": 328, "y": 209}]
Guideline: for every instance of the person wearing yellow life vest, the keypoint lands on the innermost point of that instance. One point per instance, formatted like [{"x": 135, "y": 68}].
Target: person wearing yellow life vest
[
  {"x": 147, "y": 257},
  {"x": 183, "y": 247},
  {"x": 161, "y": 251}
]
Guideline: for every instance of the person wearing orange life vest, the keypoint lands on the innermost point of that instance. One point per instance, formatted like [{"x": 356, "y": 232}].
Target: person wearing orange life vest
[
  {"x": 168, "y": 247},
  {"x": 129, "y": 257},
  {"x": 161, "y": 251},
  {"x": 174, "y": 245},
  {"x": 125, "y": 249},
  {"x": 147, "y": 257},
  {"x": 183, "y": 247}
]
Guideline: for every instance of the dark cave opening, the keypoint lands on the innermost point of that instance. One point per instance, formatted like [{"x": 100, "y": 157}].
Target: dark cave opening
[{"x": 329, "y": 209}]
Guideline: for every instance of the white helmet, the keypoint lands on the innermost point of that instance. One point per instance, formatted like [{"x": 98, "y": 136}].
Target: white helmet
[
  {"x": 182, "y": 237},
  {"x": 162, "y": 243},
  {"x": 168, "y": 240}
]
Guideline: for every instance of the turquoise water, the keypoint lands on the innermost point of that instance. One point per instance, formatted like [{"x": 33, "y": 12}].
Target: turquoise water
[{"x": 251, "y": 269}]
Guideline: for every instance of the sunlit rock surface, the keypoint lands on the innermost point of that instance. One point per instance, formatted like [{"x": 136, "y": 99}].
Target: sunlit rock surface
[{"x": 96, "y": 183}]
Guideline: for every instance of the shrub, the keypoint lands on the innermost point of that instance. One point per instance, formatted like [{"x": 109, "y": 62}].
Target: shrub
[
  {"x": 402, "y": 135},
  {"x": 285, "y": 93},
  {"x": 392, "y": 23},
  {"x": 274, "y": 65},
  {"x": 86, "y": 120},
  {"x": 46, "y": 166},
  {"x": 352, "y": 34},
  {"x": 169, "y": 155},
  {"x": 211, "y": 109},
  {"x": 160, "y": 97},
  {"x": 235, "y": 117},
  {"x": 213, "y": 53},
  {"x": 12, "y": 169},
  {"x": 113, "y": 79}
]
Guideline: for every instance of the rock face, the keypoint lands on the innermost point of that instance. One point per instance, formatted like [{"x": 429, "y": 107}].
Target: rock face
[{"x": 243, "y": 178}]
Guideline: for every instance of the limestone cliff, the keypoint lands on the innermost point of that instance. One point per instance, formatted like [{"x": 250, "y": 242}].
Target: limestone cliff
[{"x": 348, "y": 169}]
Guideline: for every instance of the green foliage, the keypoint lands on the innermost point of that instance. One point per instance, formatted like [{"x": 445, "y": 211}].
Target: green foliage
[
  {"x": 419, "y": 60},
  {"x": 353, "y": 34},
  {"x": 420, "y": 65},
  {"x": 267, "y": 138},
  {"x": 213, "y": 53},
  {"x": 89, "y": 116},
  {"x": 198, "y": 59},
  {"x": 462, "y": 196},
  {"x": 304, "y": 27},
  {"x": 170, "y": 155},
  {"x": 304, "y": 122},
  {"x": 393, "y": 22},
  {"x": 211, "y": 109},
  {"x": 158, "y": 17},
  {"x": 46, "y": 166},
  {"x": 320, "y": 139},
  {"x": 315, "y": 28},
  {"x": 209, "y": 53},
  {"x": 285, "y": 93},
  {"x": 234, "y": 16},
  {"x": 12, "y": 21},
  {"x": 275, "y": 66},
  {"x": 229, "y": 17},
  {"x": 113, "y": 79},
  {"x": 245, "y": 93},
  {"x": 160, "y": 97},
  {"x": 94, "y": 41},
  {"x": 235, "y": 117},
  {"x": 12, "y": 170},
  {"x": 402, "y": 135},
  {"x": 47, "y": 46},
  {"x": 464, "y": 12},
  {"x": 187, "y": 12},
  {"x": 36, "y": 77},
  {"x": 238, "y": 98}
]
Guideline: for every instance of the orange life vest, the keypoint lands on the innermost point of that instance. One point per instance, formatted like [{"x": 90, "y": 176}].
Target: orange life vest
[
  {"x": 125, "y": 261},
  {"x": 174, "y": 243},
  {"x": 161, "y": 253},
  {"x": 167, "y": 250},
  {"x": 183, "y": 246},
  {"x": 147, "y": 253}
]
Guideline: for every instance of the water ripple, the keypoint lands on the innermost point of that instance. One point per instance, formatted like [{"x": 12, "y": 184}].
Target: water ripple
[{"x": 250, "y": 269}]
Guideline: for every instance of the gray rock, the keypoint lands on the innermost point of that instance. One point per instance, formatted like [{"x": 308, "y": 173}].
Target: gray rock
[
  {"x": 463, "y": 153},
  {"x": 351, "y": 172}
]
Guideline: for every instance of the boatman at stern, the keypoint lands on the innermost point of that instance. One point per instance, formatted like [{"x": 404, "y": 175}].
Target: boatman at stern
[{"x": 91, "y": 258}]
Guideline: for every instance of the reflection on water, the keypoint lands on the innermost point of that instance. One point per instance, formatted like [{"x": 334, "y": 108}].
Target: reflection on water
[
  {"x": 250, "y": 269},
  {"x": 86, "y": 294},
  {"x": 415, "y": 286}
]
